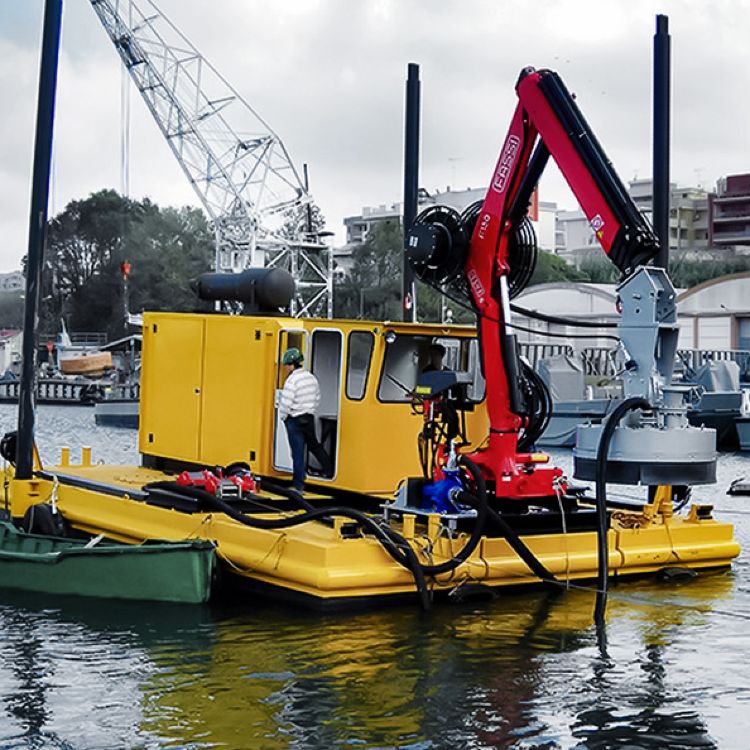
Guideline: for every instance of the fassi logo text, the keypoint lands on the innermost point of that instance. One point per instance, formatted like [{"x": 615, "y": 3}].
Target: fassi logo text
[{"x": 505, "y": 164}]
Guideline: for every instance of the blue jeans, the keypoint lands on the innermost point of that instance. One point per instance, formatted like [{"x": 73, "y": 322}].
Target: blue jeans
[{"x": 301, "y": 432}]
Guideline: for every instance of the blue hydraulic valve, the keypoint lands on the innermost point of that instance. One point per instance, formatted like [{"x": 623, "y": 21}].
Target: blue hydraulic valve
[{"x": 441, "y": 496}]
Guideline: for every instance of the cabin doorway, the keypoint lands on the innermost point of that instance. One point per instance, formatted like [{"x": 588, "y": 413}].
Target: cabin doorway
[
  {"x": 282, "y": 455},
  {"x": 326, "y": 363},
  {"x": 323, "y": 356}
]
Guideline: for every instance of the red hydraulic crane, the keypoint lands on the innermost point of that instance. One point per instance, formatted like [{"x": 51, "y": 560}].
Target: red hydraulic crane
[{"x": 489, "y": 252}]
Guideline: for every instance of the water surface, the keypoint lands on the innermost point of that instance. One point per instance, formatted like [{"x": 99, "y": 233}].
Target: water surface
[{"x": 523, "y": 671}]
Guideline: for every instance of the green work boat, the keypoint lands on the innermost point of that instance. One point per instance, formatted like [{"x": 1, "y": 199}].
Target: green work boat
[{"x": 153, "y": 571}]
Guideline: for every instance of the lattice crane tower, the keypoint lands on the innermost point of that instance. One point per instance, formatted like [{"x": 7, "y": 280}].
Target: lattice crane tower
[{"x": 237, "y": 165}]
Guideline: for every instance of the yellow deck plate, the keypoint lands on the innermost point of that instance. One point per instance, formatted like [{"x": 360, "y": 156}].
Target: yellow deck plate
[{"x": 314, "y": 559}]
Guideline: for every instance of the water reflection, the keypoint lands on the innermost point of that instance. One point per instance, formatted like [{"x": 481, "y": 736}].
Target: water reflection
[
  {"x": 71, "y": 670},
  {"x": 523, "y": 671},
  {"x": 31, "y": 669},
  {"x": 492, "y": 676}
]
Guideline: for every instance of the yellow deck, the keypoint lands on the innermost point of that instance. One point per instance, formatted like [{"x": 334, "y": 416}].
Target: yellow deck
[{"x": 316, "y": 560}]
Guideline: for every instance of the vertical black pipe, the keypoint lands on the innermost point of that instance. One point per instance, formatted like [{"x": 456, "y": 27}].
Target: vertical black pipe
[
  {"x": 37, "y": 232},
  {"x": 661, "y": 139},
  {"x": 411, "y": 185}
]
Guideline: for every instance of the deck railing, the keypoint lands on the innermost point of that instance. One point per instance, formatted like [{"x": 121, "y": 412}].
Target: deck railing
[
  {"x": 61, "y": 391},
  {"x": 91, "y": 339},
  {"x": 535, "y": 352},
  {"x": 599, "y": 361}
]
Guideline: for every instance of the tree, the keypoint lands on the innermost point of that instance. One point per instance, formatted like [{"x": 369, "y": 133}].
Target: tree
[
  {"x": 686, "y": 273},
  {"x": 89, "y": 240},
  {"x": 11, "y": 310},
  {"x": 373, "y": 289},
  {"x": 168, "y": 250},
  {"x": 296, "y": 221},
  {"x": 550, "y": 267},
  {"x": 84, "y": 237},
  {"x": 600, "y": 271}
]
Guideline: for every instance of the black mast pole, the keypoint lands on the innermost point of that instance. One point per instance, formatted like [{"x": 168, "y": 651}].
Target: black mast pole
[
  {"x": 661, "y": 192},
  {"x": 37, "y": 232},
  {"x": 411, "y": 186}
]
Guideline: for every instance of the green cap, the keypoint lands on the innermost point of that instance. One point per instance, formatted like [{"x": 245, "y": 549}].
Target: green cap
[{"x": 292, "y": 356}]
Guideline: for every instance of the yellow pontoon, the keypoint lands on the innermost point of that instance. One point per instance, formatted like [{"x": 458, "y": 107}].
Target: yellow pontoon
[{"x": 208, "y": 399}]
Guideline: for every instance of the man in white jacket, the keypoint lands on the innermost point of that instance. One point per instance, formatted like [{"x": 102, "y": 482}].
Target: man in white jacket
[{"x": 300, "y": 398}]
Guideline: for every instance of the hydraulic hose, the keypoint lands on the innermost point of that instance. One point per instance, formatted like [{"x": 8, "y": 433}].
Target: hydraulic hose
[
  {"x": 478, "y": 501},
  {"x": 559, "y": 320},
  {"x": 602, "y": 454},
  {"x": 395, "y": 545},
  {"x": 515, "y": 541},
  {"x": 539, "y": 408},
  {"x": 293, "y": 495}
]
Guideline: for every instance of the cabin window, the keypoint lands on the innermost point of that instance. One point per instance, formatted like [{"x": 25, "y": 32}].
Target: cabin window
[
  {"x": 408, "y": 355},
  {"x": 358, "y": 359}
]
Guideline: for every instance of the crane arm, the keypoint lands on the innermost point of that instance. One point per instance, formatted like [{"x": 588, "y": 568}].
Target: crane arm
[
  {"x": 482, "y": 247},
  {"x": 548, "y": 118}
]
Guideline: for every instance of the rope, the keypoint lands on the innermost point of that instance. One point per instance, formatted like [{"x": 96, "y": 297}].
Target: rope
[{"x": 557, "y": 487}]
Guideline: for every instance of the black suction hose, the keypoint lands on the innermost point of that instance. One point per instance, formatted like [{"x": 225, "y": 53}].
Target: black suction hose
[
  {"x": 602, "y": 454},
  {"x": 395, "y": 544},
  {"x": 290, "y": 494},
  {"x": 399, "y": 550},
  {"x": 515, "y": 541}
]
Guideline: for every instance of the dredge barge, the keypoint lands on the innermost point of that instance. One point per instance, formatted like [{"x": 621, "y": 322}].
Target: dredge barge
[
  {"x": 220, "y": 410},
  {"x": 473, "y": 502}
]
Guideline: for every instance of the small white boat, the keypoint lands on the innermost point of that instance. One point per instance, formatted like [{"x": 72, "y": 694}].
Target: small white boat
[
  {"x": 89, "y": 363},
  {"x": 80, "y": 359}
]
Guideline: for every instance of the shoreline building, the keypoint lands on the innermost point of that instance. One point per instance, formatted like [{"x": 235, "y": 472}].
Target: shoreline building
[
  {"x": 730, "y": 212},
  {"x": 714, "y": 315},
  {"x": 12, "y": 282},
  {"x": 689, "y": 223}
]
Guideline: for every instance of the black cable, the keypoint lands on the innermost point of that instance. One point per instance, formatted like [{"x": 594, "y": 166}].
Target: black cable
[
  {"x": 539, "y": 408},
  {"x": 550, "y": 334},
  {"x": 602, "y": 453},
  {"x": 515, "y": 541},
  {"x": 290, "y": 494},
  {"x": 536, "y": 315},
  {"x": 396, "y": 546},
  {"x": 404, "y": 555}
]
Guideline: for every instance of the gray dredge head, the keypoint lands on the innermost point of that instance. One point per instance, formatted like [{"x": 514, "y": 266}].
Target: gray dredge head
[{"x": 660, "y": 447}]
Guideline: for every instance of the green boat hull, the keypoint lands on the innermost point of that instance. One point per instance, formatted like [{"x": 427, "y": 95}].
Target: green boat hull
[{"x": 154, "y": 571}]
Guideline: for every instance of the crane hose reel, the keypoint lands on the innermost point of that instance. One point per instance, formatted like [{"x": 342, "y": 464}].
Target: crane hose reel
[
  {"x": 437, "y": 246},
  {"x": 522, "y": 248}
]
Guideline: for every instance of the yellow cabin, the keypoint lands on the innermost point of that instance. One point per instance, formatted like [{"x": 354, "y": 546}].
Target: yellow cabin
[{"x": 210, "y": 389}]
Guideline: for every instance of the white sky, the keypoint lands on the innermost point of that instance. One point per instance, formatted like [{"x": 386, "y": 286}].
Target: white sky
[{"x": 328, "y": 75}]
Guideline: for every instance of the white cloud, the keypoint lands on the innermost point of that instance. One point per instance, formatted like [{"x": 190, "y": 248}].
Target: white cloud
[{"x": 329, "y": 77}]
